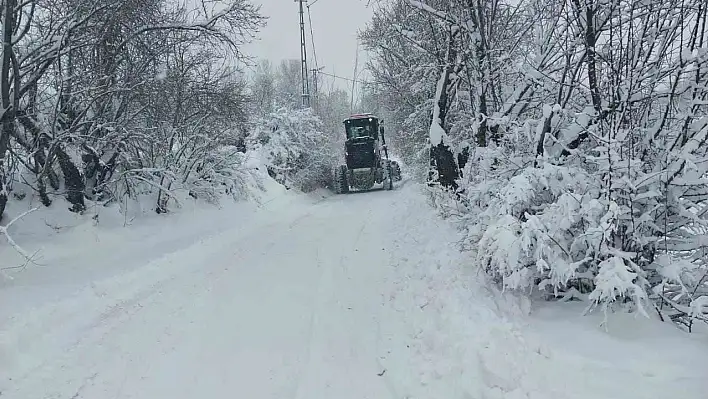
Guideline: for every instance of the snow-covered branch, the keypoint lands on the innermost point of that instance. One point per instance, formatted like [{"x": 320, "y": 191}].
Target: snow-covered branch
[{"x": 4, "y": 230}]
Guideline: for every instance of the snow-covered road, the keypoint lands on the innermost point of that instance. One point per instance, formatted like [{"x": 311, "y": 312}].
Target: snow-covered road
[
  {"x": 355, "y": 296},
  {"x": 290, "y": 308}
]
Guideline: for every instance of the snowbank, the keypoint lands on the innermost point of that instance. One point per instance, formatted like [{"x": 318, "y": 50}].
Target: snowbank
[
  {"x": 70, "y": 250},
  {"x": 471, "y": 341}
]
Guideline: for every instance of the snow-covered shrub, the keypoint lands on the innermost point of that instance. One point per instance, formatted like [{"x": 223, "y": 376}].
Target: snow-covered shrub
[
  {"x": 530, "y": 229},
  {"x": 296, "y": 150},
  {"x": 596, "y": 230},
  {"x": 218, "y": 173},
  {"x": 222, "y": 173}
]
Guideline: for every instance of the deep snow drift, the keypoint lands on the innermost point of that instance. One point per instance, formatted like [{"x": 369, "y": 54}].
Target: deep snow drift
[{"x": 355, "y": 296}]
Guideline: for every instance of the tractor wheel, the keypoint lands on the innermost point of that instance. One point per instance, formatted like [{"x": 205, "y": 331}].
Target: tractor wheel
[
  {"x": 396, "y": 171},
  {"x": 341, "y": 183},
  {"x": 388, "y": 176}
]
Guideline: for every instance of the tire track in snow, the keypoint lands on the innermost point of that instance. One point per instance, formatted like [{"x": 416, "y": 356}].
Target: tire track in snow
[
  {"x": 343, "y": 344},
  {"x": 323, "y": 290},
  {"x": 275, "y": 234},
  {"x": 123, "y": 297},
  {"x": 381, "y": 372},
  {"x": 305, "y": 370},
  {"x": 293, "y": 308},
  {"x": 98, "y": 330}
]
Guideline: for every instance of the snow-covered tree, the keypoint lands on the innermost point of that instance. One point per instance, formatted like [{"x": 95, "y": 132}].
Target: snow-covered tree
[
  {"x": 297, "y": 152},
  {"x": 82, "y": 82},
  {"x": 318, "y": 130},
  {"x": 578, "y": 129}
]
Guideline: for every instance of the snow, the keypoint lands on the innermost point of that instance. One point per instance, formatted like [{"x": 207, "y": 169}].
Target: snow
[
  {"x": 629, "y": 357},
  {"x": 437, "y": 134},
  {"x": 353, "y": 296}
]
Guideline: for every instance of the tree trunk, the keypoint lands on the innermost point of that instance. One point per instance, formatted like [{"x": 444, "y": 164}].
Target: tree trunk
[
  {"x": 442, "y": 160},
  {"x": 4, "y": 139},
  {"x": 462, "y": 158},
  {"x": 477, "y": 12},
  {"x": 73, "y": 181},
  {"x": 7, "y": 106},
  {"x": 589, "y": 42}
]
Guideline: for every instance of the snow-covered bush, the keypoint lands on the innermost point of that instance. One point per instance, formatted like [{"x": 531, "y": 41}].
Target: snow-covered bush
[
  {"x": 223, "y": 173},
  {"x": 296, "y": 150},
  {"x": 596, "y": 230}
]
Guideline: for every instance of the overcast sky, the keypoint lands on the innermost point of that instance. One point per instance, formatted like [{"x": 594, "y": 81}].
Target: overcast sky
[{"x": 335, "y": 24}]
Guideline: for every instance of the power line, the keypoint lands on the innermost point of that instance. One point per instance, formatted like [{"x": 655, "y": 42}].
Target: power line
[
  {"x": 356, "y": 65},
  {"x": 316, "y": 69},
  {"x": 348, "y": 79},
  {"x": 312, "y": 34}
]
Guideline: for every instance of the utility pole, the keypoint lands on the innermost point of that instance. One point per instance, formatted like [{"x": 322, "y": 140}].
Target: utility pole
[
  {"x": 303, "y": 58},
  {"x": 356, "y": 66},
  {"x": 315, "y": 85}
]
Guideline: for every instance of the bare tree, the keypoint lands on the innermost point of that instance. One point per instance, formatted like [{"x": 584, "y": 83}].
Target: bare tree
[{"x": 77, "y": 79}]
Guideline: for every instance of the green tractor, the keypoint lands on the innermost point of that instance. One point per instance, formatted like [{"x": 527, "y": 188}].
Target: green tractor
[{"x": 366, "y": 156}]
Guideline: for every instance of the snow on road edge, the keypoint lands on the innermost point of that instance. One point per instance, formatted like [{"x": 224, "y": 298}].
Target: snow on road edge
[
  {"x": 44, "y": 328},
  {"x": 473, "y": 341},
  {"x": 451, "y": 358}
]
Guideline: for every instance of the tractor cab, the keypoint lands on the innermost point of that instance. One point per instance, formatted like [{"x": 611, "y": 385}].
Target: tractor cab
[
  {"x": 361, "y": 146},
  {"x": 362, "y": 125}
]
